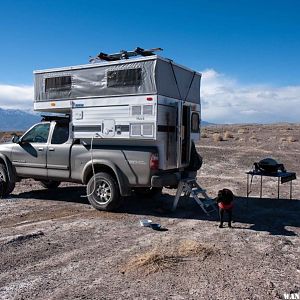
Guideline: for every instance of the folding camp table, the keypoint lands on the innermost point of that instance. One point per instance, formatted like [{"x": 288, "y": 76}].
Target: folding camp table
[{"x": 282, "y": 177}]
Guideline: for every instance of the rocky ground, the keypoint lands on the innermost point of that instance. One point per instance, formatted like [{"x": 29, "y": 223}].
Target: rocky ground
[{"x": 55, "y": 246}]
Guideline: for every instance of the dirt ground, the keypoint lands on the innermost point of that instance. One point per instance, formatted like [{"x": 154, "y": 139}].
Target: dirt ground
[{"x": 55, "y": 246}]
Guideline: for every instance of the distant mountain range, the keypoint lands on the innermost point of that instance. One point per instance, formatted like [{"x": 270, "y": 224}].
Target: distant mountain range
[
  {"x": 14, "y": 119},
  {"x": 204, "y": 123}
]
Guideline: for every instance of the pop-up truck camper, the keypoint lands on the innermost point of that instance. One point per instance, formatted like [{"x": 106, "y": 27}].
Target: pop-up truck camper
[{"x": 124, "y": 123}]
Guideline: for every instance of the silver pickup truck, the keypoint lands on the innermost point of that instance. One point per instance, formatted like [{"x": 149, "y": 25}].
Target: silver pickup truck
[{"x": 48, "y": 153}]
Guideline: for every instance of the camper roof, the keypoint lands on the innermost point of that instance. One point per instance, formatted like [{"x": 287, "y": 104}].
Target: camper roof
[{"x": 118, "y": 62}]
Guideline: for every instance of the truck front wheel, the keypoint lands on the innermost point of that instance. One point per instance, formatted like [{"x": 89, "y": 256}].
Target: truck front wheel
[
  {"x": 103, "y": 192},
  {"x": 6, "y": 187}
]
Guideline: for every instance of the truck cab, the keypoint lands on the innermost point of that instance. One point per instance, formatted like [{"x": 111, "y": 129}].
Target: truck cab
[{"x": 43, "y": 151}]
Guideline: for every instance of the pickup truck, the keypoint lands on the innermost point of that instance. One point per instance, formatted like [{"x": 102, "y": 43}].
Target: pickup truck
[{"x": 48, "y": 153}]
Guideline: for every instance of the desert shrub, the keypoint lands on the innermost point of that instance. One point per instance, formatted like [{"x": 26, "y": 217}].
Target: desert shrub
[
  {"x": 228, "y": 135},
  {"x": 217, "y": 137},
  {"x": 253, "y": 138},
  {"x": 242, "y": 131},
  {"x": 204, "y": 135},
  {"x": 291, "y": 139},
  {"x": 283, "y": 139}
]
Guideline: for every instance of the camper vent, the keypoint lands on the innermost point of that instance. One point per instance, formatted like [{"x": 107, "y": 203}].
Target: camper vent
[
  {"x": 136, "y": 129},
  {"x": 136, "y": 110},
  {"x": 145, "y": 130},
  {"x": 147, "y": 109}
]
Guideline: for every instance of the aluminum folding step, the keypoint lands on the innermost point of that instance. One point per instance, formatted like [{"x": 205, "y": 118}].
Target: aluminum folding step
[{"x": 190, "y": 187}]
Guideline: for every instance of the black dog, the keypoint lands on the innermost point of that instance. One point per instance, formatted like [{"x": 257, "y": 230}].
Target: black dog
[{"x": 225, "y": 203}]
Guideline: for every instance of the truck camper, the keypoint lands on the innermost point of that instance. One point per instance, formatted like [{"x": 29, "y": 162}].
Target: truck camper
[{"x": 124, "y": 122}]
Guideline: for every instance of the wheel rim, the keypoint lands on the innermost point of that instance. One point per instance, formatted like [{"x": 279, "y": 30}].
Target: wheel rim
[
  {"x": 2, "y": 178},
  {"x": 103, "y": 192}
]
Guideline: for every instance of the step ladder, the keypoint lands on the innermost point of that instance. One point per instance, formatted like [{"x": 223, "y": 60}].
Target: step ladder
[{"x": 189, "y": 186}]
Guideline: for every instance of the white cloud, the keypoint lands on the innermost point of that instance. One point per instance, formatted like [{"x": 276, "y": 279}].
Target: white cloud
[
  {"x": 225, "y": 100},
  {"x": 16, "y": 97}
]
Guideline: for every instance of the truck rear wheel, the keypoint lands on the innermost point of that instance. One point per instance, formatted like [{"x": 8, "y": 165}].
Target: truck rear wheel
[
  {"x": 50, "y": 184},
  {"x": 6, "y": 187},
  {"x": 103, "y": 192}
]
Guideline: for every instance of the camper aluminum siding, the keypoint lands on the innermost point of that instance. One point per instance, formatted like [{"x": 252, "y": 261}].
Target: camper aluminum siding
[{"x": 144, "y": 76}]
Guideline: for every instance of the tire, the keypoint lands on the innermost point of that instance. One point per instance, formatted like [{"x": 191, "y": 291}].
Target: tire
[
  {"x": 6, "y": 187},
  {"x": 10, "y": 187},
  {"x": 103, "y": 192},
  {"x": 50, "y": 184},
  {"x": 149, "y": 192}
]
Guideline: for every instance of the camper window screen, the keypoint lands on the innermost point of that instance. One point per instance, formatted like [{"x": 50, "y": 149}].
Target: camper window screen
[
  {"x": 195, "y": 122},
  {"x": 129, "y": 77},
  {"x": 62, "y": 83}
]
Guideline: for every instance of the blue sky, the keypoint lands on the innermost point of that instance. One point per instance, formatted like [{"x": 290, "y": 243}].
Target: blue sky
[{"x": 240, "y": 46}]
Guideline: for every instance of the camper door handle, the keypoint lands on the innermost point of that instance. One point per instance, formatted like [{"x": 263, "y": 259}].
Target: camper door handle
[
  {"x": 51, "y": 149},
  {"x": 41, "y": 149}
]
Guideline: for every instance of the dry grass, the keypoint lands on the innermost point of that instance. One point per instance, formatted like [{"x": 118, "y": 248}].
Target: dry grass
[
  {"x": 228, "y": 135},
  {"x": 166, "y": 257},
  {"x": 292, "y": 139},
  {"x": 217, "y": 137}
]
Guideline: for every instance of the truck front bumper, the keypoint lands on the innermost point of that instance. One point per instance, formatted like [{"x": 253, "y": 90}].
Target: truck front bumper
[{"x": 165, "y": 180}]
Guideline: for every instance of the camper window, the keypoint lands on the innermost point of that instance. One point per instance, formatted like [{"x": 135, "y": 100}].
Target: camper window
[
  {"x": 62, "y": 83},
  {"x": 129, "y": 77},
  {"x": 195, "y": 122}
]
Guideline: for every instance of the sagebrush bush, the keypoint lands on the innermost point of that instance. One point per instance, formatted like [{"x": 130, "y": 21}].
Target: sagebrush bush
[
  {"x": 242, "y": 131},
  {"x": 228, "y": 135},
  {"x": 217, "y": 137}
]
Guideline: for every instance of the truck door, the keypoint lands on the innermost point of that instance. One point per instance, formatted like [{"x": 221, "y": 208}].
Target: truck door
[
  {"x": 58, "y": 151},
  {"x": 29, "y": 155}
]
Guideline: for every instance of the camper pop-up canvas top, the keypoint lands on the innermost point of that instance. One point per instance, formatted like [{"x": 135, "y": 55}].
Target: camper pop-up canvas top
[{"x": 146, "y": 101}]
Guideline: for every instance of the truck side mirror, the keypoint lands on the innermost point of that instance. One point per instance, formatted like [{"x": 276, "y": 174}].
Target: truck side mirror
[{"x": 15, "y": 139}]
